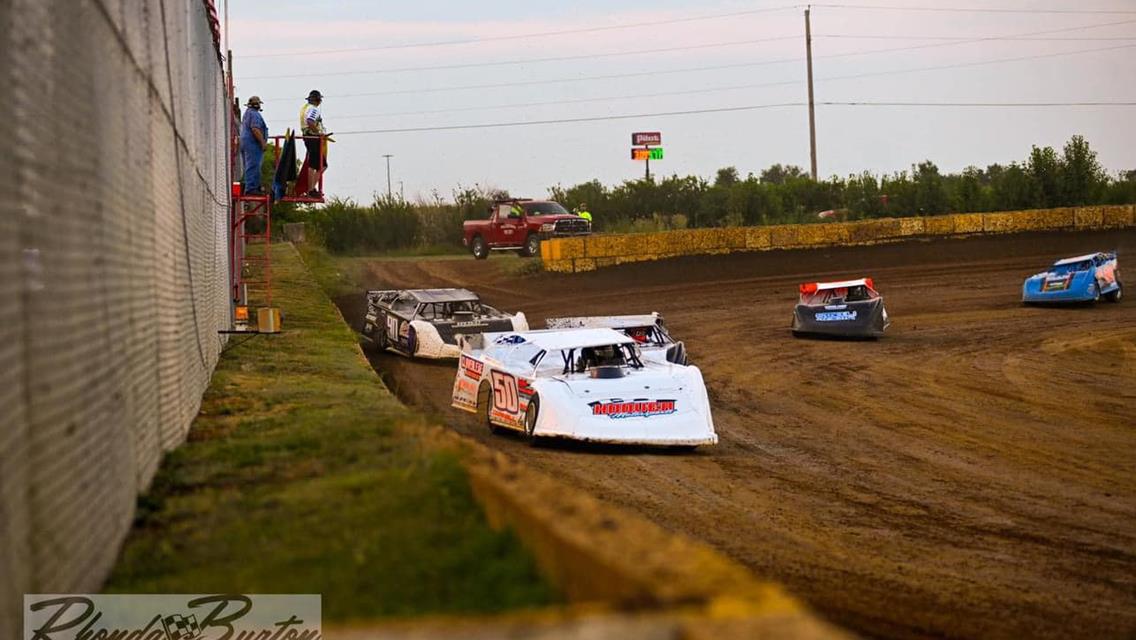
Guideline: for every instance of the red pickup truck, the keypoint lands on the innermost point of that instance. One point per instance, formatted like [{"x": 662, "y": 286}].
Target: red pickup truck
[{"x": 521, "y": 225}]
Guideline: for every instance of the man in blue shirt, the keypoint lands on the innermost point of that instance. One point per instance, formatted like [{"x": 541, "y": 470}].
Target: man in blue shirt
[{"x": 254, "y": 140}]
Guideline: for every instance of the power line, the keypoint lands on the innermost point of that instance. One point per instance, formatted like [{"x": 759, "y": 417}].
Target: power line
[
  {"x": 500, "y": 63},
  {"x": 979, "y": 63},
  {"x": 960, "y": 38},
  {"x": 977, "y": 104},
  {"x": 751, "y": 107},
  {"x": 529, "y": 123},
  {"x": 544, "y": 34},
  {"x": 760, "y": 85},
  {"x": 526, "y": 83},
  {"x": 877, "y": 7},
  {"x": 636, "y": 74}
]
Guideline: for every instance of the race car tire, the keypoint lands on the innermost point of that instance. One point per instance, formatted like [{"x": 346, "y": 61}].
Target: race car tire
[
  {"x": 485, "y": 403},
  {"x": 1096, "y": 292},
  {"x": 1115, "y": 296},
  {"x": 531, "y": 413},
  {"x": 381, "y": 340},
  {"x": 532, "y": 246},
  {"x": 478, "y": 247},
  {"x": 411, "y": 341}
]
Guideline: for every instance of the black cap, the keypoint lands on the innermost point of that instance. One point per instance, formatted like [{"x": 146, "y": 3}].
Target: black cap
[{"x": 315, "y": 94}]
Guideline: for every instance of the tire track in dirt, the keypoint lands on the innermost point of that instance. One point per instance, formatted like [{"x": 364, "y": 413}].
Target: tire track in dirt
[{"x": 973, "y": 474}]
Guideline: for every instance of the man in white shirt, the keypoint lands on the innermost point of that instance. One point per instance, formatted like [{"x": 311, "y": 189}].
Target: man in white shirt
[{"x": 311, "y": 125}]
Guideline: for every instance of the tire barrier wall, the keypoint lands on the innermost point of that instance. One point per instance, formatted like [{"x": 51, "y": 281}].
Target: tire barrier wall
[
  {"x": 570, "y": 255},
  {"x": 113, "y": 271}
]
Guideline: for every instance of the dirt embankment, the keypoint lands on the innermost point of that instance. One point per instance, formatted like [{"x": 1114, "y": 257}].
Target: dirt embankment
[{"x": 972, "y": 474}]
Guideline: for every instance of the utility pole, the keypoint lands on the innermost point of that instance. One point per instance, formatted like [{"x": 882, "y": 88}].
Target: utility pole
[
  {"x": 388, "y": 157},
  {"x": 812, "y": 115}
]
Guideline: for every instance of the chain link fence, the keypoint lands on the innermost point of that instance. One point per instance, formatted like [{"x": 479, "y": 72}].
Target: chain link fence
[{"x": 113, "y": 271}]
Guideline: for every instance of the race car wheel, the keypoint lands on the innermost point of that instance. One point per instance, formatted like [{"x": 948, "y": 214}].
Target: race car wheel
[
  {"x": 532, "y": 246},
  {"x": 1115, "y": 296},
  {"x": 1096, "y": 292},
  {"x": 485, "y": 403},
  {"x": 479, "y": 248},
  {"x": 381, "y": 341},
  {"x": 531, "y": 413},
  {"x": 411, "y": 341}
]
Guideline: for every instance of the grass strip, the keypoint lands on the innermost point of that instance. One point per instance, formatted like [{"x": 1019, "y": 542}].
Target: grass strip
[{"x": 296, "y": 479}]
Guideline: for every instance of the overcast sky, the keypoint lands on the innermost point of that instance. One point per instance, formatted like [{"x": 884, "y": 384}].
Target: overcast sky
[{"x": 718, "y": 55}]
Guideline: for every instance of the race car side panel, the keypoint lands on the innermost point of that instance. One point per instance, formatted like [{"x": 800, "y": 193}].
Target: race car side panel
[
  {"x": 425, "y": 342},
  {"x": 1079, "y": 286},
  {"x": 509, "y": 398},
  {"x": 509, "y": 392},
  {"x": 471, "y": 372}
]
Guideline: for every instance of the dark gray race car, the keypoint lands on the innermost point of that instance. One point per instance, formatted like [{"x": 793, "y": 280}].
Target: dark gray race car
[
  {"x": 850, "y": 309},
  {"x": 426, "y": 323}
]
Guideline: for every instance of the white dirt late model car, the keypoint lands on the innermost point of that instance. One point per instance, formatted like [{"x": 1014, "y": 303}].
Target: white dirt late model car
[
  {"x": 648, "y": 330},
  {"x": 582, "y": 384}
]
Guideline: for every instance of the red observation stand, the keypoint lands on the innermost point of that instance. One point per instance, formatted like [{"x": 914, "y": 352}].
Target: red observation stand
[{"x": 251, "y": 224}]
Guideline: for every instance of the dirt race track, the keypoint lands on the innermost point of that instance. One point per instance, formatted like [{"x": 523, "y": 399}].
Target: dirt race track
[{"x": 972, "y": 474}]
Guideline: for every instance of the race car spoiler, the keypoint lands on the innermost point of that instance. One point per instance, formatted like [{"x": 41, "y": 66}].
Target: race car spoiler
[
  {"x": 609, "y": 322},
  {"x": 813, "y": 287}
]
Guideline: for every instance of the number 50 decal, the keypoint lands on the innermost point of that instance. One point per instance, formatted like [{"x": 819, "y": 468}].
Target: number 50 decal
[{"x": 505, "y": 392}]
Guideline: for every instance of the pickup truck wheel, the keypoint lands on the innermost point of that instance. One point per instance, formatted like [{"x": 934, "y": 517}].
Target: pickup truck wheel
[
  {"x": 477, "y": 246},
  {"x": 532, "y": 246}
]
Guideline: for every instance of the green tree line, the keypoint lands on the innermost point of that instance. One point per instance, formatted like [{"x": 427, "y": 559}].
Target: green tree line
[
  {"x": 780, "y": 194},
  {"x": 784, "y": 194}
]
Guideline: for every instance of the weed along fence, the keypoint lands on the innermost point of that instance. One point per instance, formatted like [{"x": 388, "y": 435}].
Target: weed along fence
[{"x": 570, "y": 255}]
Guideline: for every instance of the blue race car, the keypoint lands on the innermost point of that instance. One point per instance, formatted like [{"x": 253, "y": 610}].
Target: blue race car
[{"x": 1086, "y": 278}]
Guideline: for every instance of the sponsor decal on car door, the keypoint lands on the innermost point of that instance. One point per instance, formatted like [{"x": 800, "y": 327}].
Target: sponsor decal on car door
[
  {"x": 467, "y": 383},
  {"x": 510, "y": 398}
]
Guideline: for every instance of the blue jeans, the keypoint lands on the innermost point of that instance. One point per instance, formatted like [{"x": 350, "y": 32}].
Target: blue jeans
[{"x": 252, "y": 155}]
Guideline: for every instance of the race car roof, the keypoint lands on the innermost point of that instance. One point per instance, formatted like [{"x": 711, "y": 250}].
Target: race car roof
[
  {"x": 1088, "y": 256},
  {"x": 560, "y": 339},
  {"x": 443, "y": 295},
  {"x": 613, "y": 322}
]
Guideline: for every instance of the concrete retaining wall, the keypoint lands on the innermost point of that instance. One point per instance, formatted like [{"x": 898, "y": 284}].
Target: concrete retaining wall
[{"x": 570, "y": 255}]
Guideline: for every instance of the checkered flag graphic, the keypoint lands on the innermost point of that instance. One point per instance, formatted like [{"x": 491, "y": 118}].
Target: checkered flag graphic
[{"x": 181, "y": 627}]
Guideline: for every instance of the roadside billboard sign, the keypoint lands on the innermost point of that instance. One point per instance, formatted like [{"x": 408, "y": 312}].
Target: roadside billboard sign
[
  {"x": 647, "y": 154},
  {"x": 647, "y": 138}
]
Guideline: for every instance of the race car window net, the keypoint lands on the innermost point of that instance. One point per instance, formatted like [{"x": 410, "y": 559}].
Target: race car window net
[
  {"x": 446, "y": 310},
  {"x": 620, "y": 355}
]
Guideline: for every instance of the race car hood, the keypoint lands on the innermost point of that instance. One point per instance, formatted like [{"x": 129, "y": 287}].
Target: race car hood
[
  {"x": 448, "y": 330},
  {"x": 656, "y": 407},
  {"x": 654, "y": 380}
]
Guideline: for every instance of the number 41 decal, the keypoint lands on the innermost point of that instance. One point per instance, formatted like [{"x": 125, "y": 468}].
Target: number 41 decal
[{"x": 505, "y": 392}]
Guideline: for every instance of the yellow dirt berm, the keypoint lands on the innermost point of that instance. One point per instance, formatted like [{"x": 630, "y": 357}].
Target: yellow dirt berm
[{"x": 570, "y": 255}]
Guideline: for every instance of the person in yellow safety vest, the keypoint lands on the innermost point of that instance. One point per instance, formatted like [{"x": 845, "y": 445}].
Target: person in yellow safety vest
[
  {"x": 516, "y": 211},
  {"x": 311, "y": 125},
  {"x": 582, "y": 211}
]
